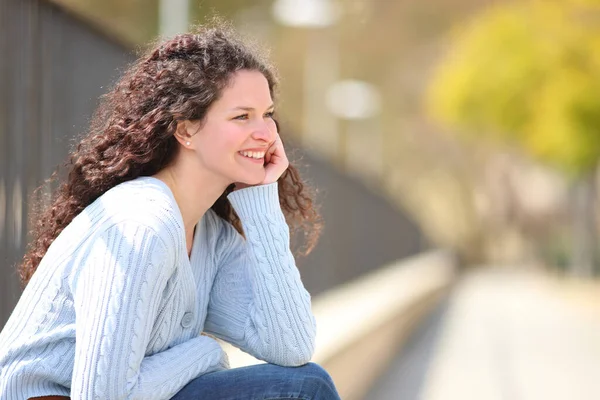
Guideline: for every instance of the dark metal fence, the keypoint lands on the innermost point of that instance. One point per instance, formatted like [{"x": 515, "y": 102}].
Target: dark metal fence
[
  {"x": 52, "y": 70},
  {"x": 54, "y": 67}
]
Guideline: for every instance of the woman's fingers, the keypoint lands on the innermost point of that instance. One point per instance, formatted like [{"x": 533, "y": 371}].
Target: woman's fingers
[
  {"x": 269, "y": 153},
  {"x": 277, "y": 161}
]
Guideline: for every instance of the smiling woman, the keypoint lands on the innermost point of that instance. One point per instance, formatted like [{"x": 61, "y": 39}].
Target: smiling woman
[
  {"x": 237, "y": 134},
  {"x": 173, "y": 222}
]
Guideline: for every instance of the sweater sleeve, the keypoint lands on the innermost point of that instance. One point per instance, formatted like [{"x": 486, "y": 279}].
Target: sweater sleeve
[
  {"x": 258, "y": 302},
  {"x": 116, "y": 297}
]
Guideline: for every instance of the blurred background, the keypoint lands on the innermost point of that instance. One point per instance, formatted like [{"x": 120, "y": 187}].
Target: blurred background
[{"x": 449, "y": 140}]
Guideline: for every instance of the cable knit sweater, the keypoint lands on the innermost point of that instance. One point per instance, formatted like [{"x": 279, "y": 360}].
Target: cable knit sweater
[{"x": 116, "y": 306}]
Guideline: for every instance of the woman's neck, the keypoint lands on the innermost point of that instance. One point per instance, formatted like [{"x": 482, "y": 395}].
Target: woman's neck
[{"x": 194, "y": 194}]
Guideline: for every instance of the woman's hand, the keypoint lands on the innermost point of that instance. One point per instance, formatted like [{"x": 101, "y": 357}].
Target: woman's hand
[{"x": 276, "y": 162}]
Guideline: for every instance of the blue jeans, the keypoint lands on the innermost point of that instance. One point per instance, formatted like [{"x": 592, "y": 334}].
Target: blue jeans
[{"x": 262, "y": 382}]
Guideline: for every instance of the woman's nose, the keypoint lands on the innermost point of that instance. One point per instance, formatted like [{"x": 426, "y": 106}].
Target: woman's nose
[{"x": 265, "y": 131}]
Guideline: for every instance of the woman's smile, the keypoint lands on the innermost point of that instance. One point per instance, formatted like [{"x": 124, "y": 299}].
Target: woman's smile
[{"x": 257, "y": 157}]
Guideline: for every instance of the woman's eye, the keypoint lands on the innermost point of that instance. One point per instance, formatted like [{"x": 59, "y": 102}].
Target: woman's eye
[{"x": 245, "y": 116}]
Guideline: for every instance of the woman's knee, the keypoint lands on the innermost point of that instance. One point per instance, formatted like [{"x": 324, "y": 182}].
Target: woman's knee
[
  {"x": 314, "y": 370},
  {"x": 319, "y": 380}
]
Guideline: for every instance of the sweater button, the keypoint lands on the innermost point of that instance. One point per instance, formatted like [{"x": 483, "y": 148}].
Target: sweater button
[{"x": 187, "y": 320}]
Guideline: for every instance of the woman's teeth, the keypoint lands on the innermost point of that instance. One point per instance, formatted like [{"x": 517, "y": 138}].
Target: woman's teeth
[{"x": 253, "y": 154}]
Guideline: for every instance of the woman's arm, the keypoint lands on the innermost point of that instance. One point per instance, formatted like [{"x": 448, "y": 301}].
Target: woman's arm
[
  {"x": 258, "y": 302},
  {"x": 117, "y": 294}
]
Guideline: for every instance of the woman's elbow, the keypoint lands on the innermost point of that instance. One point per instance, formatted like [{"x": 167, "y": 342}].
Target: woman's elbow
[
  {"x": 291, "y": 356},
  {"x": 294, "y": 361}
]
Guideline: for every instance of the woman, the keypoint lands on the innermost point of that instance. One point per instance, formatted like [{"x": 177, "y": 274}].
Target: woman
[{"x": 142, "y": 249}]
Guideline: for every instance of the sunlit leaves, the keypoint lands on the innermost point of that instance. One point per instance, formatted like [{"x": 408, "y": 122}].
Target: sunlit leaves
[{"x": 527, "y": 73}]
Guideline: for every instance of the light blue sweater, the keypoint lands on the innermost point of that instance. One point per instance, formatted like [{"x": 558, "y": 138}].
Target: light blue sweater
[{"x": 116, "y": 307}]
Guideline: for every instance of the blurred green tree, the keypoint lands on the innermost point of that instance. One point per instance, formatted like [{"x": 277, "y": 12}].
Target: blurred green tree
[{"x": 527, "y": 73}]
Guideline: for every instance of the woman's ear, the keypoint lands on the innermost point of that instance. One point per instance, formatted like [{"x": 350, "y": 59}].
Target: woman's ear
[{"x": 182, "y": 133}]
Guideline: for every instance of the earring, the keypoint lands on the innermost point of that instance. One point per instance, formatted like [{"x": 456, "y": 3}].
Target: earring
[{"x": 187, "y": 143}]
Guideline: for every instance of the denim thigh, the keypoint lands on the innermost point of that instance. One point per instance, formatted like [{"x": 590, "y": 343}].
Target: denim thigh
[{"x": 262, "y": 382}]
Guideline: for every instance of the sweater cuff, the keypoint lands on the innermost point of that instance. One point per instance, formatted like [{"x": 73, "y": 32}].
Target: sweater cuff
[{"x": 255, "y": 200}]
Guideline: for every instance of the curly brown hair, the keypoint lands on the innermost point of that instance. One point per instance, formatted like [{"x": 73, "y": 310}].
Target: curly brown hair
[{"x": 132, "y": 133}]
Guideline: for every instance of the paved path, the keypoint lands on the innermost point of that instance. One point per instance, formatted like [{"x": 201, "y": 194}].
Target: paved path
[{"x": 500, "y": 336}]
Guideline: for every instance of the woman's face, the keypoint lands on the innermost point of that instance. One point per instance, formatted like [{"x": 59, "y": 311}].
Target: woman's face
[{"x": 237, "y": 130}]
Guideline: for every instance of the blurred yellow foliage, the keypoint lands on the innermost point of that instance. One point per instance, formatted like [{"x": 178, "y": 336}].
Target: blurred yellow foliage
[{"x": 527, "y": 73}]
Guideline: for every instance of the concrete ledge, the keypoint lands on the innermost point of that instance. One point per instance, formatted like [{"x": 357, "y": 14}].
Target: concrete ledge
[{"x": 361, "y": 324}]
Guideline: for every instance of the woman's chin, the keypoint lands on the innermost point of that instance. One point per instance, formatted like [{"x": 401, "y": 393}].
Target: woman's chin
[{"x": 252, "y": 180}]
